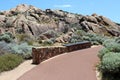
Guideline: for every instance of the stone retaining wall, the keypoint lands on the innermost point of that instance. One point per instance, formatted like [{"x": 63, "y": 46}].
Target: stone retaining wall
[
  {"x": 42, "y": 53},
  {"x": 78, "y": 46}
]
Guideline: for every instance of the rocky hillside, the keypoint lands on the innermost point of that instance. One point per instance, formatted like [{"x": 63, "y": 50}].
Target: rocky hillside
[{"x": 39, "y": 24}]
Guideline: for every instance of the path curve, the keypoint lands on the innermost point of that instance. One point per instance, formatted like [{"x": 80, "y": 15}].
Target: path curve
[
  {"x": 18, "y": 71},
  {"x": 77, "y": 65}
]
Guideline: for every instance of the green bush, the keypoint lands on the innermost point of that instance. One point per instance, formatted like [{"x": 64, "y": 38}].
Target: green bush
[
  {"x": 107, "y": 41},
  {"x": 80, "y": 32},
  {"x": 95, "y": 39},
  {"x": 7, "y": 37},
  {"x": 9, "y": 61},
  {"x": 110, "y": 66},
  {"x": 117, "y": 39},
  {"x": 75, "y": 38},
  {"x": 110, "y": 63},
  {"x": 95, "y": 43},
  {"x": 112, "y": 46},
  {"x": 4, "y": 47},
  {"x": 102, "y": 52},
  {"x": 22, "y": 49},
  {"x": 21, "y": 38},
  {"x": 47, "y": 43},
  {"x": 86, "y": 38},
  {"x": 110, "y": 59}
]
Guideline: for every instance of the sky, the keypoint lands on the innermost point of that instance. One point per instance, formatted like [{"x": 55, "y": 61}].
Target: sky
[{"x": 108, "y": 8}]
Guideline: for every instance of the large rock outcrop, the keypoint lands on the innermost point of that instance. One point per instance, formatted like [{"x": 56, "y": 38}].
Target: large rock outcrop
[{"x": 32, "y": 21}]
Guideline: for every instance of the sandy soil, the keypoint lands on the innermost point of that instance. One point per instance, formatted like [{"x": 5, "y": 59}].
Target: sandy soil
[
  {"x": 98, "y": 75},
  {"x": 17, "y": 72}
]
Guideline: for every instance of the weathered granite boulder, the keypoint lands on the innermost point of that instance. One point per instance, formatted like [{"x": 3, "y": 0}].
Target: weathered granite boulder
[
  {"x": 21, "y": 8},
  {"x": 2, "y": 18},
  {"x": 92, "y": 19},
  {"x": 64, "y": 38},
  {"x": 59, "y": 13}
]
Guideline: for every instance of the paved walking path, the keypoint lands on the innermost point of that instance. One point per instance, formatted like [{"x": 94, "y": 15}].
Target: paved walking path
[
  {"x": 77, "y": 65},
  {"x": 18, "y": 71}
]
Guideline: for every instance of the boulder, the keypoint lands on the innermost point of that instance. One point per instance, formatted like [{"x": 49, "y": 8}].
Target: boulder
[
  {"x": 21, "y": 8},
  {"x": 114, "y": 32},
  {"x": 88, "y": 26},
  {"x": 59, "y": 13},
  {"x": 108, "y": 22},
  {"x": 92, "y": 19},
  {"x": 2, "y": 18}
]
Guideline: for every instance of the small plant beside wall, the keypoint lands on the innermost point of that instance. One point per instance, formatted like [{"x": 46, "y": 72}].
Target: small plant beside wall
[
  {"x": 9, "y": 61},
  {"x": 47, "y": 43}
]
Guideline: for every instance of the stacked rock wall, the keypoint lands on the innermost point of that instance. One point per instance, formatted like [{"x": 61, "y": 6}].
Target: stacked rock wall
[
  {"x": 77, "y": 46},
  {"x": 43, "y": 53}
]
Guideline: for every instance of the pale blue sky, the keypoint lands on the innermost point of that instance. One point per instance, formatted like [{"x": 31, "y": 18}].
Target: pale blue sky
[{"x": 108, "y": 8}]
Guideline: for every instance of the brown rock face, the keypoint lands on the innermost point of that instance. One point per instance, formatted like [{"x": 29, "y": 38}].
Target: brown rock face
[
  {"x": 32, "y": 21},
  {"x": 100, "y": 24}
]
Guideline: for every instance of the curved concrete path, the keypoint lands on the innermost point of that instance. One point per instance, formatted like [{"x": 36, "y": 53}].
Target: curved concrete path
[{"x": 77, "y": 65}]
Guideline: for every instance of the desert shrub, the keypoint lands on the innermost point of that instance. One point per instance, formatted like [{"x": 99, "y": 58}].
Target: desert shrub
[
  {"x": 4, "y": 48},
  {"x": 22, "y": 49},
  {"x": 100, "y": 39},
  {"x": 75, "y": 38},
  {"x": 31, "y": 42},
  {"x": 110, "y": 59},
  {"x": 117, "y": 39},
  {"x": 7, "y": 37},
  {"x": 107, "y": 41},
  {"x": 80, "y": 32},
  {"x": 21, "y": 37},
  {"x": 47, "y": 43},
  {"x": 110, "y": 66},
  {"x": 9, "y": 61},
  {"x": 87, "y": 38},
  {"x": 25, "y": 38},
  {"x": 112, "y": 46},
  {"x": 102, "y": 52},
  {"x": 95, "y": 43},
  {"x": 95, "y": 39}
]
